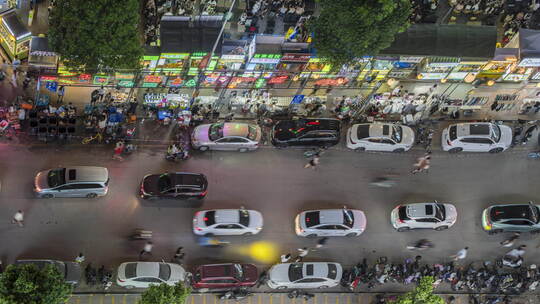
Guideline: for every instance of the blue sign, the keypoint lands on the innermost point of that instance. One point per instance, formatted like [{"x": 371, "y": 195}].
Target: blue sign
[
  {"x": 51, "y": 86},
  {"x": 297, "y": 99}
]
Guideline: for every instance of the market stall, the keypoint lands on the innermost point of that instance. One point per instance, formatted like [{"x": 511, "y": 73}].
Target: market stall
[
  {"x": 437, "y": 68},
  {"x": 14, "y": 35},
  {"x": 264, "y": 55},
  {"x": 41, "y": 55}
]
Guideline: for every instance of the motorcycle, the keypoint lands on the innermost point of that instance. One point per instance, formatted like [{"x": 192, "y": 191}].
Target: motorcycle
[
  {"x": 300, "y": 294},
  {"x": 237, "y": 294},
  {"x": 510, "y": 261}
]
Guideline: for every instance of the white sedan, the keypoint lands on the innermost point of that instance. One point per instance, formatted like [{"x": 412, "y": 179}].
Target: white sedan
[
  {"x": 304, "y": 275},
  {"x": 330, "y": 222},
  {"x": 227, "y": 222},
  {"x": 144, "y": 274},
  {"x": 432, "y": 215},
  {"x": 476, "y": 137},
  {"x": 377, "y": 136}
]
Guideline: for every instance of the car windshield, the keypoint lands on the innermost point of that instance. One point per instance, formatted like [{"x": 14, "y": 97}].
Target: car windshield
[
  {"x": 164, "y": 182},
  {"x": 534, "y": 213},
  {"x": 56, "y": 177},
  {"x": 239, "y": 271},
  {"x": 348, "y": 218},
  {"x": 495, "y": 133},
  {"x": 164, "y": 271},
  {"x": 440, "y": 212},
  {"x": 244, "y": 217},
  {"x": 452, "y": 132},
  {"x": 295, "y": 272},
  {"x": 209, "y": 218},
  {"x": 402, "y": 211},
  {"x": 397, "y": 134},
  {"x": 215, "y": 131},
  {"x": 312, "y": 218},
  {"x": 252, "y": 132},
  {"x": 332, "y": 271}
]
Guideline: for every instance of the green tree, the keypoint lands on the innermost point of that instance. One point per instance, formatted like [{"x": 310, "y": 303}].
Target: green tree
[
  {"x": 165, "y": 294},
  {"x": 422, "y": 294},
  {"x": 31, "y": 285},
  {"x": 97, "y": 34},
  {"x": 349, "y": 29}
]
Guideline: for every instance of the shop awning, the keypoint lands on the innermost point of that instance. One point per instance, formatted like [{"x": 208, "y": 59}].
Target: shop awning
[
  {"x": 181, "y": 34},
  {"x": 504, "y": 54},
  {"x": 234, "y": 47},
  {"x": 14, "y": 24},
  {"x": 529, "y": 43},
  {"x": 455, "y": 40},
  {"x": 40, "y": 53}
]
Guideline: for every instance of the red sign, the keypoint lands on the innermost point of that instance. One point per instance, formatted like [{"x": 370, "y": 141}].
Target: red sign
[
  {"x": 331, "y": 81},
  {"x": 152, "y": 78},
  {"x": 278, "y": 79},
  {"x": 48, "y": 78},
  {"x": 293, "y": 57},
  {"x": 244, "y": 79},
  {"x": 84, "y": 77}
]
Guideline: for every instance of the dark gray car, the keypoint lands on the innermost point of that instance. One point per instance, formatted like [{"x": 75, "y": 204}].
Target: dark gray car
[{"x": 70, "y": 270}]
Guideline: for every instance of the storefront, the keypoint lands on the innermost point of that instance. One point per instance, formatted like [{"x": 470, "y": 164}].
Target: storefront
[
  {"x": 437, "y": 68},
  {"x": 149, "y": 62},
  {"x": 41, "y": 55},
  {"x": 233, "y": 55},
  {"x": 316, "y": 66},
  {"x": 405, "y": 67},
  {"x": 293, "y": 62},
  {"x": 166, "y": 101},
  {"x": 14, "y": 35},
  {"x": 521, "y": 71},
  {"x": 173, "y": 62},
  {"x": 195, "y": 62},
  {"x": 466, "y": 71},
  {"x": 264, "y": 55}
]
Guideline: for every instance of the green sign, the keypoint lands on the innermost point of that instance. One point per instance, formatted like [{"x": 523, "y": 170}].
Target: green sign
[
  {"x": 190, "y": 83},
  {"x": 126, "y": 83},
  {"x": 149, "y": 85},
  {"x": 260, "y": 83}
]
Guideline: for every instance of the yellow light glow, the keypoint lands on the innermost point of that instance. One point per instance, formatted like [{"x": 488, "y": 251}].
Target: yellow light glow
[
  {"x": 444, "y": 80},
  {"x": 490, "y": 82},
  {"x": 262, "y": 251}
]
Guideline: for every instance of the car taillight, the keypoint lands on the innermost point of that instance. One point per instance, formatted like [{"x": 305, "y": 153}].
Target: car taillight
[
  {"x": 400, "y": 221},
  {"x": 449, "y": 142},
  {"x": 204, "y": 193},
  {"x": 121, "y": 281},
  {"x": 198, "y": 228}
]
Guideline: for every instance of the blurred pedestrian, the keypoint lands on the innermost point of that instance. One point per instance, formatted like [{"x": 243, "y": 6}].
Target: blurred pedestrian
[
  {"x": 321, "y": 243},
  {"x": 60, "y": 92},
  {"x": 147, "y": 249},
  {"x": 460, "y": 255},
  {"x": 18, "y": 218},
  {"x": 80, "y": 258},
  {"x": 118, "y": 149},
  {"x": 101, "y": 94},
  {"x": 179, "y": 255},
  {"x": 302, "y": 252},
  {"x": 285, "y": 257},
  {"x": 510, "y": 241},
  {"x": 263, "y": 277},
  {"x": 422, "y": 164},
  {"x": 313, "y": 162}
]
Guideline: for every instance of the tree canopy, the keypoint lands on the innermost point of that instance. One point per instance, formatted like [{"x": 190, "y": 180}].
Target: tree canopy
[
  {"x": 165, "y": 294},
  {"x": 31, "y": 285},
  {"x": 97, "y": 34},
  {"x": 422, "y": 294},
  {"x": 349, "y": 29}
]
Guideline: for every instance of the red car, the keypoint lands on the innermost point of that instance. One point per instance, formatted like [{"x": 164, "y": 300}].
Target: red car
[{"x": 225, "y": 276}]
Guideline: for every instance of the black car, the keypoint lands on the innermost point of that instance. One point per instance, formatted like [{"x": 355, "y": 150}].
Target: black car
[
  {"x": 177, "y": 185},
  {"x": 306, "y": 132}
]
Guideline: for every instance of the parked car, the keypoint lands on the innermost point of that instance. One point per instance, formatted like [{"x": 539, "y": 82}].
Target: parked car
[
  {"x": 476, "y": 137},
  {"x": 385, "y": 137},
  {"x": 227, "y": 222},
  {"x": 330, "y": 222},
  {"x": 431, "y": 215},
  {"x": 229, "y": 136},
  {"x": 512, "y": 217},
  {"x": 80, "y": 181},
  {"x": 304, "y": 275},
  {"x": 225, "y": 276},
  {"x": 306, "y": 132},
  {"x": 176, "y": 185},
  {"x": 70, "y": 270},
  {"x": 144, "y": 274}
]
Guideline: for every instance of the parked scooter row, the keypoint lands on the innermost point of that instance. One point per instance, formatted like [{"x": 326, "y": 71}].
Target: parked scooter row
[
  {"x": 489, "y": 277},
  {"x": 101, "y": 276}
]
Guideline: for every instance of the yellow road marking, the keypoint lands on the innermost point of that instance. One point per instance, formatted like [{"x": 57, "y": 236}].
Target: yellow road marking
[
  {"x": 124, "y": 300},
  {"x": 90, "y": 299},
  {"x": 337, "y": 299},
  {"x": 293, "y": 300},
  {"x": 204, "y": 298},
  {"x": 315, "y": 299},
  {"x": 360, "y": 298},
  {"x": 281, "y": 299},
  {"x": 102, "y": 298},
  {"x": 215, "y": 300},
  {"x": 271, "y": 298},
  {"x": 259, "y": 299},
  {"x": 325, "y": 299},
  {"x": 77, "y": 300},
  {"x": 348, "y": 299},
  {"x": 192, "y": 300},
  {"x": 249, "y": 300}
]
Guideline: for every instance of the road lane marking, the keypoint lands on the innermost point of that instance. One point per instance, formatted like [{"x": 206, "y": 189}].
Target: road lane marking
[
  {"x": 281, "y": 299},
  {"x": 271, "y": 298},
  {"x": 124, "y": 299},
  {"x": 215, "y": 300},
  {"x": 204, "y": 298},
  {"x": 337, "y": 299},
  {"x": 113, "y": 299},
  {"x": 91, "y": 299},
  {"x": 348, "y": 299},
  {"x": 260, "y": 299},
  {"x": 249, "y": 300},
  {"x": 101, "y": 299},
  {"x": 325, "y": 298}
]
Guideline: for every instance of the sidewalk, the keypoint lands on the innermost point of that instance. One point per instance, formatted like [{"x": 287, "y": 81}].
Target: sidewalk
[{"x": 272, "y": 298}]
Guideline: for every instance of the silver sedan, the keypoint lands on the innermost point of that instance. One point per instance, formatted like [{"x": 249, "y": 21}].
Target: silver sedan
[{"x": 228, "y": 136}]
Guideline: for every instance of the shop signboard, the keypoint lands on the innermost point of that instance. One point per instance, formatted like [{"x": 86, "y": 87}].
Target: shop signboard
[
  {"x": 149, "y": 62},
  {"x": 297, "y": 99},
  {"x": 125, "y": 80},
  {"x": 516, "y": 77},
  {"x": 101, "y": 80},
  {"x": 260, "y": 83},
  {"x": 431, "y": 76},
  {"x": 443, "y": 64},
  {"x": 175, "y": 82},
  {"x": 48, "y": 78},
  {"x": 266, "y": 58},
  {"x": 278, "y": 79},
  {"x": 400, "y": 74},
  {"x": 51, "y": 86},
  {"x": 410, "y": 59},
  {"x": 172, "y": 61},
  {"x": 529, "y": 62},
  {"x": 151, "y": 81},
  {"x": 295, "y": 57},
  {"x": 233, "y": 58},
  {"x": 332, "y": 81}
]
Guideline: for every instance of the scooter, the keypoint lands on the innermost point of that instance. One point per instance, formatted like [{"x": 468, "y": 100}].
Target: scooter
[
  {"x": 237, "y": 294},
  {"x": 300, "y": 294},
  {"x": 510, "y": 261}
]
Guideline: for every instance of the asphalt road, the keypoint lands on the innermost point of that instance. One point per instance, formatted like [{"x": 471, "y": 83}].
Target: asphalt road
[{"x": 269, "y": 180}]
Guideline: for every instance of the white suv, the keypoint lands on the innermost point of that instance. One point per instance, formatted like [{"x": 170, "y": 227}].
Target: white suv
[
  {"x": 383, "y": 137},
  {"x": 304, "y": 275},
  {"x": 431, "y": 215},
  {"x": 476, "y": 137}
]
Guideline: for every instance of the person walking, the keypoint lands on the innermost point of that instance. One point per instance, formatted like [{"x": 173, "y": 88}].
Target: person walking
[
  {"x": 321, "y": 243},
  {"x": 460, "y": 255},
  {"x": 302, "y": 252},
  {"x": 313, "y": 162},
  {"x": 147, "y": 249},
  {"x": 80, "y": 258},
  {"x": 118, "y": 149},
  {"x": 61, "y": 91},
  {"x": 509, "y": 242},
  {"x": 101, "y": 94},
  {"x": 179, "y": 255},
  {"x": 285, "y": 258},
  {"x": 18, "y": 218},
  {"x": 422, "y": 164}
]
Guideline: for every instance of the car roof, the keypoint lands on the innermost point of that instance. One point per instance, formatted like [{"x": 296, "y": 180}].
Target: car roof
[
  {"x": 380, "y": 130},
  {"x": 474, "y": 129},
  {"x": 420, "y": 210},
  {"x": 227, "y": 216},
  {"x": 216, "y": 270},
  {"x": 310, "y": 124},
  {"x": 504, "y": 212},
  {"x": 331, "y": 216},
  {"x": 187, "y": 179},
  {"x": 235, "y": 129},
  {"x": 147, "y": 269},
  {"x": 86, "y": 174}
]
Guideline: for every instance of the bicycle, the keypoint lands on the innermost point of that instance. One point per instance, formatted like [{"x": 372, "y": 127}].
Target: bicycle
[{"x": 89, "y": 139}]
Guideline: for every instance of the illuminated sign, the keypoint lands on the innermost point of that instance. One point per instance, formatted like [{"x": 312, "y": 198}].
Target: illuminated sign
[
  {"x": 101, "y": 80},
  {"x": 174, "y": 55},
  {"x": 48, "y": 78},
  {"x": 292, "y": 57},
  {"x": 331, "y": 82},
  {"x": 266, "y": 58},
  {"x": 176, "y": 82},
  {"x": 152, "y": 78},
  {"x": 233, "y": 57},
  {"x": 278, "y": 79},
  {"x": 126, "y": 83}
]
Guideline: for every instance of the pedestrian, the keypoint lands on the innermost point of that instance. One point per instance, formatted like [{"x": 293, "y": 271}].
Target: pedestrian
[
  {"x": 147, "y": 249},
  {"x": 422, "y": 164},
  {"x": 321, "y": 243},
  {"x": 397, "y": 91},
  {"x": 263, "y": 278},
  {"x": 460, "y": 255},
  {"x": 285, "y": 257},
  {"x": 118, "y": 149},
  {"x": 94, "y": 96},
  {"x": 179, "y": 255},
  {"x": 18, "y": 218},
  {"x": 313, "y": 162},
  {"x": 80, "y": 258},
  {"x": 101, "y": 94},
  {"x": 61, "y": 91},
  {"x": 517, "y": 252},
  {"x": 302, "y": 252},
  {"x": 510, "y": 241}
]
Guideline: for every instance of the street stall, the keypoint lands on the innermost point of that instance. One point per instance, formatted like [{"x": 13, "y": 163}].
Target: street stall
[
  {"x": 295, "y": 57},
  {"x": 196, "y": 61},
  {"x": 264, "y": 55},
  {"x": 496, "y": 67},
  {"x": 466, "y": 70},
  {"x": 14, "y": 35},
  {"x": 233, "y": 55},
  {"x": 437, "y": 68},
  {"x": 41, "y": 55},
  {"x": 405, "y": 67}
]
